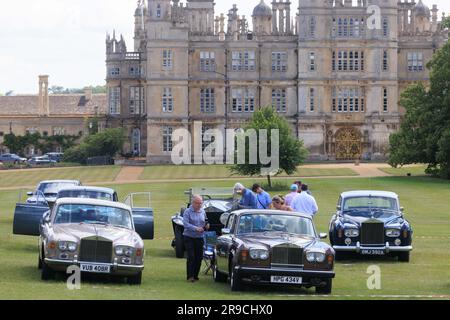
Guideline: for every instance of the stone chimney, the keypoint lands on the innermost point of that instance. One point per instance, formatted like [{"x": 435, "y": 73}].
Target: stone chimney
[
  {"x": 44, "y": 103},
  {"x": 88, "y": 94}
]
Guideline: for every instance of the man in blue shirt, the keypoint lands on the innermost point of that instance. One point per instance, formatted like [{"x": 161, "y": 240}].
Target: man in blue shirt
[
  {"x": 248, "y": 200},
  {"x": 195, "y": 224},
  {"x": 263, "y": 199}
]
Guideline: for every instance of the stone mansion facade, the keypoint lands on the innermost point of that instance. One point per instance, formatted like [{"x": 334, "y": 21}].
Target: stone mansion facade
[{"x": 333, "y": 74}]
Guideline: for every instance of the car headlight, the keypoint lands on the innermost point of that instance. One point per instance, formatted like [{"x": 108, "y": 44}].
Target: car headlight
[
  {"x": 351, "y": 233},
  {"x": 393, "y": 233},
  {"x": 259, "y": 254},
  {"x": 315, "y": 256},
  {"x": 67, "y": 246},
  {"x": 124, "y": 251}
]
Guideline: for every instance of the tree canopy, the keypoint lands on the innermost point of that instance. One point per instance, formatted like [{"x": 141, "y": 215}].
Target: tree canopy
[
  {"x": 291, "y": 150},
  {"x": 424, "y": 136}
]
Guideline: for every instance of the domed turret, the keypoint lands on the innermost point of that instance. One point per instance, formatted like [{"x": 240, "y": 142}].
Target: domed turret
[
  {"x": 421, "y": 10},
  {"x": 262, "y": 10},
  {"x": 262, "y": 19}
]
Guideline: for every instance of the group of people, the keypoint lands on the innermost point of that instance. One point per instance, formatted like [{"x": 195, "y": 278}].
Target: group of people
[
  {"x": 196, "y": 223},
  {"x": 299, "y": 199}
]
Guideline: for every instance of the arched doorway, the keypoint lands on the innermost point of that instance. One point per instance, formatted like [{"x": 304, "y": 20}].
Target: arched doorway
[
  {"x": 348, "y": 144},
  {"x": 136, "y": 142}
]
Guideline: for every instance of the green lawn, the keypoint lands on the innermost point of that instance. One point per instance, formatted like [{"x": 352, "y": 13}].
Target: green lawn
[
  {"x": 414, "y": 171},
  {"x": 222, "y": 171},
  {"x": 31, "y": 177},
  {"x": 427, "y": 207}
]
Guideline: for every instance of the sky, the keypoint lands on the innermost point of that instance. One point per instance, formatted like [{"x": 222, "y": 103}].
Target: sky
[{"x": 65, "y": 39}]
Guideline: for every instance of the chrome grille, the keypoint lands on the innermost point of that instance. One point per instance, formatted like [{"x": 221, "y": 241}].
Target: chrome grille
[
  {"x": 372, "y": 233},
  {"x": 287, "y": 255},
  {"x": 96, "y": 251}
]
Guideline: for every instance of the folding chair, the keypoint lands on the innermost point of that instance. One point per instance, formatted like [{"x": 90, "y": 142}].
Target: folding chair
[{"x": 210, "y": 239}]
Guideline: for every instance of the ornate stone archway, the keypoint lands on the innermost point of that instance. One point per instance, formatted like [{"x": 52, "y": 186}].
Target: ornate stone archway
[{"x": 348, "y": 143}]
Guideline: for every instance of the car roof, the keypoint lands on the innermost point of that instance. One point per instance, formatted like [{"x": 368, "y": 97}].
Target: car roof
[
  {"x": 60, "y": 181},
  {"x": 359, "y": 193},
  {"x": 94, "y": 202},
  {"x": 88, "y": 188},
  {"x": 272, "y": 212}
]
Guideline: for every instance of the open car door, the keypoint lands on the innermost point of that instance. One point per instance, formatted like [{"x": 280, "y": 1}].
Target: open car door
[
  {"x": 28, "y": 216},
  {"x": 140, "y": 204}
]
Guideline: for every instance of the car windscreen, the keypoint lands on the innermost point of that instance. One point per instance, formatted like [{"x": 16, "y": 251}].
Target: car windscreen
[
  {"x": 94, "y": 214},
  {"x": 259, "y": 223},
  {"x": 368, "y": 206},
  {"x": 86, "y": 194},
  {"x": 52, "y": 188}
]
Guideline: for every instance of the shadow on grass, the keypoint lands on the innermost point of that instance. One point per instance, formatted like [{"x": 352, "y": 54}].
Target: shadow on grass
[{"x": 355, "y": 258}]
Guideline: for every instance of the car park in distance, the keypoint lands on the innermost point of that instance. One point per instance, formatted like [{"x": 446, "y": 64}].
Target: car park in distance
[
  {"x": 371, "y": 223},
  {"x": 273, "y": 247},
  {"x": 11, "y": 159},
  {"x": 44, "y": 160},
  {"x": 55, "y": 156},
  {"x": 98, "y": 236},
  {"x": 216, "y": 201}
]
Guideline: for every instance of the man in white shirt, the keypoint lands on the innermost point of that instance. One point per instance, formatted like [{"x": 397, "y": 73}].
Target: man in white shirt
[{"x": 304, "y": 203}]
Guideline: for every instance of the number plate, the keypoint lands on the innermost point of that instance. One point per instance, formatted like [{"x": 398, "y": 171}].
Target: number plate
[
  {"x": 95, "y": 268},
  {"x": 288, "y": 280},
  {"x": 373, "y": 252}
]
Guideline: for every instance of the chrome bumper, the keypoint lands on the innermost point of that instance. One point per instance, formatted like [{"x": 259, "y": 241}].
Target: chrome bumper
[
  {"x": 386, "y": 248},
  {"x": 116, "y": 268}
]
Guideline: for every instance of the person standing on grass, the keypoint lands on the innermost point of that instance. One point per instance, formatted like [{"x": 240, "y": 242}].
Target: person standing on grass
[
  {"x": 248, "y": 200},
  {"x": 304, "y": 203},
  {"x": 262, "y": 197},
  {"x": 195, "y": 225},
  {"x": 290, "y": 197}
]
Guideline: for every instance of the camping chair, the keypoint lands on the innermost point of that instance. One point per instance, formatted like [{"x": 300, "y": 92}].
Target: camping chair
[{"x": 210, "y": 239}]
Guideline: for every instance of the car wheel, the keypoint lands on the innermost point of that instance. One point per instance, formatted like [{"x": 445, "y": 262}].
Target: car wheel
[
  {"x": 179, "y": 243},
  {"x": 235, "y": 281},
  {"x": 219, "y": 276},
  {"x": 325, "y": 289},
  {"x": 47, "y": 272},
  {"x": 404, "y": 256},
  {"x": 135, "y": 280}
]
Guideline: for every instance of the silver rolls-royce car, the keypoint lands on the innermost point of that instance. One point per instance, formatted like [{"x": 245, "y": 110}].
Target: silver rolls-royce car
[{"x": 96, "y": 235}]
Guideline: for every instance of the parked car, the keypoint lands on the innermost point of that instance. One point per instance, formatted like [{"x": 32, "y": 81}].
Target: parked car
[
  {"x": 371, "y": 223},
  {"x": 44, "y": 160},
  {"x": 273, "y": 247},
  {"x": 11, "y": 158},
  {"x": 216, "y": 202},
  {"x": 98, "y": 193},
  {"x": 98, "y": 236},
  {"x": 55, "y": 156},
  {"x": 47, "y": 191}
]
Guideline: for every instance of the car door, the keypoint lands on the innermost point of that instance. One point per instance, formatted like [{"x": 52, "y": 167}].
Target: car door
[
  {"x": 28, "y": 216},
  {"x": 223, "y": 245},
  {"x": 143, "y": 216}
]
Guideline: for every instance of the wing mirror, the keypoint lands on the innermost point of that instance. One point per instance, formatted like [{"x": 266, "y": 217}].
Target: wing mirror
[
  {"x": 338, "y": 208},
  {"x": 402, "y": 209},
  {"x": 226, "y": 231},
  {"x": 323, "y": 236},
  {"x": 46, "y": 218}
]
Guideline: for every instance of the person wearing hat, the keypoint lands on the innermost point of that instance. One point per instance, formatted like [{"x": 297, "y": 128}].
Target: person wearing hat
[
  {"x": 248, "y": 200},
  {"x": 289, "y": 198}
]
